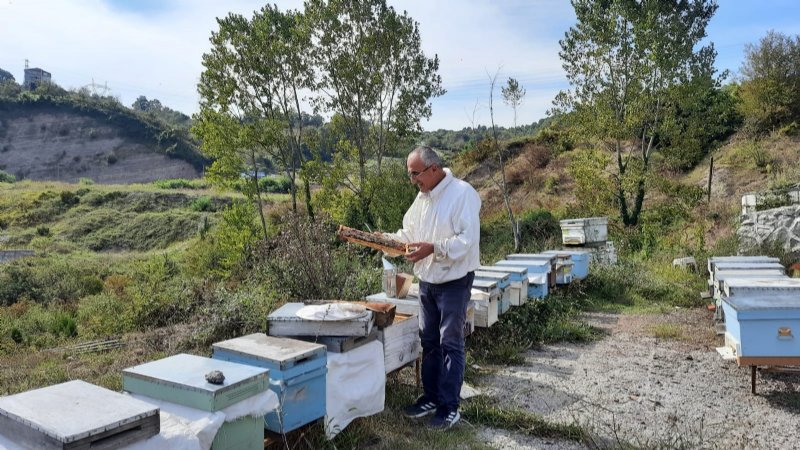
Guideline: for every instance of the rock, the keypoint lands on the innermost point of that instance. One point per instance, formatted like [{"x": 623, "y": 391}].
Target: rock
[{"x": 215, "y": 377}]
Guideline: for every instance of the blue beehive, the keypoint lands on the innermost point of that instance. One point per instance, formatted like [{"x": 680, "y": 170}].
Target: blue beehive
[
  {"x": 551, "y": 275},
  {"x": 297, "y": 375},
  {"x": 763, "y": 327},
  {"x": 503, "y": 283},
  {"x": 538, "y": 274},
  {"x": 518, "y": 281},
  {"x": 579, "y": 257}
]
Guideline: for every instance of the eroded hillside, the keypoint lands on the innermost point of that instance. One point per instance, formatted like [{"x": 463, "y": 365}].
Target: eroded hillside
[{"x": 67, "y": 145}]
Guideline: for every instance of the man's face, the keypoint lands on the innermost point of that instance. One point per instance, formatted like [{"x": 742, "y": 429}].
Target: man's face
[{"x": 424, "y": 177}]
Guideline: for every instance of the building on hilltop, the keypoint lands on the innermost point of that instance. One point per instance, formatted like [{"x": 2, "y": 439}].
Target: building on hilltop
[{"x": 34, "y": 77}]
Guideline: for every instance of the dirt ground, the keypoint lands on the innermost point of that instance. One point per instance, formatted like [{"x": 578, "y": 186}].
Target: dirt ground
[{"x": 632, "y": 389}]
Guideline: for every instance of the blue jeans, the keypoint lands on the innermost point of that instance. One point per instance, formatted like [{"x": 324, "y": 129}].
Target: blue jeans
[{"x": 443, "y": 313}]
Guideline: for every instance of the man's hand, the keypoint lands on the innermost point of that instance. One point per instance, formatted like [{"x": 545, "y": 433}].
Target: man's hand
[{"x": 421, "y": 250}]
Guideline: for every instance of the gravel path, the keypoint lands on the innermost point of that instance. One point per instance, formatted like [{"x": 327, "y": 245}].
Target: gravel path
[{"x": 631, "y": 388}]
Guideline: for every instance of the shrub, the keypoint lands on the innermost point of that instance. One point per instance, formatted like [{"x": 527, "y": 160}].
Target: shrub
[
  {"x": 86, "y": 181},
  {"x": 42, "y": 230},
  {"x": 6, "y": 177},
  {"x": 275, "y": 184},
  {"x": 306, "y": 261},
  {"x": 112, "y": 159},
  {"x": 64, "y": 325},
  {"x": 68, "y": 198},
  {"x": 182, "y": 183},
  {"x": 157, "y": 294},
  {"x": 102, "y": 315},
  {"x": 203, "y": 203}
]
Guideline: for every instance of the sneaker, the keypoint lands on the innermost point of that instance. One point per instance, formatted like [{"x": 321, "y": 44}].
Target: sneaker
[
  {"x": 444, "y": 420},
  {"x": 421, "y": 408}
]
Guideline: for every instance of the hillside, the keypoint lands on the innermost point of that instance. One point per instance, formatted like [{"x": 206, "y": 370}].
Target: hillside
[
  {"x": 56, "y": 140},
  {"x": 539, "y": 177}
]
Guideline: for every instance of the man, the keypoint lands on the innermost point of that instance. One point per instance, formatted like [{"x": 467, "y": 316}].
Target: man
[{"x": 442, "y": 227}]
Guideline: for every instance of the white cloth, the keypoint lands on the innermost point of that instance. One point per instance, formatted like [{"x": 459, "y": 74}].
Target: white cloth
[
  {"x": 185, "y": 428},
  {"x": 355, "y": 386},
  {"x": 448, "y": 217}
]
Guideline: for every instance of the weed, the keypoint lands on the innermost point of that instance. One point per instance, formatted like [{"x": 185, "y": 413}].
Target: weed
[
  {"x": 668, "y": 331},
  {"x": 485, "y": 411}
]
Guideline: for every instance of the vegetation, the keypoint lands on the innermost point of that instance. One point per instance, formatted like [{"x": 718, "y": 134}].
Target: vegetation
[
  {"x": 631, "y": 65},
  {"x": 770, "y": 92},
  {"x": 373, "y": 118},
  {"x": 250, "y": 92},
  {"x": 172, "y": 266}
]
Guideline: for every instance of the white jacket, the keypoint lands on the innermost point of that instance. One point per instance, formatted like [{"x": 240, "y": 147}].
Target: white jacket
[{"x": 448, "y": 217}]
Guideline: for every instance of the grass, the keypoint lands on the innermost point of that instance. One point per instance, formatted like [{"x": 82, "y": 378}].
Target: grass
[
  {"x": 485, "y": 411},
  {"x": 668, "y": 331}
]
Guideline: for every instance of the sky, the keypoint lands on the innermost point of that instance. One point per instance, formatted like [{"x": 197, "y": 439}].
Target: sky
[{"x": 129, "y": 48}]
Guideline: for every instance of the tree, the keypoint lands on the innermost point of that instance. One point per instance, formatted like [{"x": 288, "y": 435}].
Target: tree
[
  {"x": 250, "y": 95},
  {"x": 513, "y": 94},
  {"x": 516, "y": 95},
  {"x": 145, "y": 105},
  {"x": 6, "y": 76},
  {"x": 375, "y": 78},
  {"x": 770, "y": 89},
  {"x": 625, "y": 60}
]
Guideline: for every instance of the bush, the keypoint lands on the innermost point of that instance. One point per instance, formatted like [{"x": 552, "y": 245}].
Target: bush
[
  {"x": 182, "y": 183},
  {"x": 157, "y": 296},
  {"x": 227, "y": 245},
  {"x": 275, "y": 184},
  {"x": 306, "y": 261},
  {"x": 203, "y": 203},
  {"x": 234, "y": 313},
  {"x": 6, "y": 177},
  {"x": 102, "y": 315},
  {"x": 86, "y": 181}
]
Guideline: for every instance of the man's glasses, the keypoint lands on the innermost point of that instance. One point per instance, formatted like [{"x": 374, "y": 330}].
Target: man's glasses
[{"x": 414, "y": 174}]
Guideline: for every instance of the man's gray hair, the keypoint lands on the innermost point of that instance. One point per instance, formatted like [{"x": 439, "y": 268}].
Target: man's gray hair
[{"x": 428, "y": 156}]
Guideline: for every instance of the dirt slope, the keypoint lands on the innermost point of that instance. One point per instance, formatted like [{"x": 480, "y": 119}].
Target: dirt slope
[{"x": 67, "y": 146}]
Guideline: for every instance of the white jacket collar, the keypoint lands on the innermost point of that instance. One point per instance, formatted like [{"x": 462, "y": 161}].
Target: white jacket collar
[{"x": 437, "y": 191}]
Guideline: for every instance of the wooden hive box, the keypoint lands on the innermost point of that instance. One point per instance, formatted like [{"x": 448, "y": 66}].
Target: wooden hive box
[
  {"x": 285, "y": 322},
  {"x": 401, "y": 344}
]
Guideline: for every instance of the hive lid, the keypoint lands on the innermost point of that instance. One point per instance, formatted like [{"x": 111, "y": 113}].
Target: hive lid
[
  {"x": 270, "y": 348},
  {"x": 746, "y": 303},
  {"x": 744, "y": 265},
  {"x": 525, "y": 262},
  {"x": 518, "y": 270},
  {"x": 188, "y": 372},
  {"x": 74, "y": 410},
  {"x": 493, "y": 275},
  {"x": 761, "y": 286},
  {"x": 484, "y": 284}
]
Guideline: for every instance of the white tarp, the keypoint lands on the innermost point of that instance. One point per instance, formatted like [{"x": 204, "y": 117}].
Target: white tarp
[
  {"x": 355, "y": 386},
  {"x": 185, "y": 428}
]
